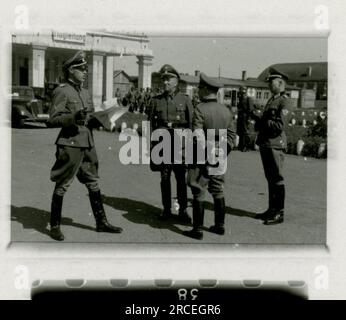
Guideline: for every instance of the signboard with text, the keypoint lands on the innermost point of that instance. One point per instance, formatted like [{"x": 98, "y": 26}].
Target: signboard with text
[{"x": 68, "y": 37}]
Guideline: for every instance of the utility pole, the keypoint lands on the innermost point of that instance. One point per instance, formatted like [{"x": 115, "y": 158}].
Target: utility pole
[{"x": 219, "y": 71}]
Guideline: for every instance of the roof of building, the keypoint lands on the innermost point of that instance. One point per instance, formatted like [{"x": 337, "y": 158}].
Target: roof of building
[
  {"x": 189, "y": 79},
  {"x": 117, "y": 72},
  {"x": 300, "y": 71},
  {"x": 120, "y": 35},
  {"x": 230, "y": 82}
]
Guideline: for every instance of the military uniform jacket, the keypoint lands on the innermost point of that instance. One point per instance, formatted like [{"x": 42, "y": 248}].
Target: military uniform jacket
[
  {"x": 270, "y": 126},
  {"x": 67, "y": 100},
  {"x": 212, "y": 115},
  {"x": 171, "y": 111}
]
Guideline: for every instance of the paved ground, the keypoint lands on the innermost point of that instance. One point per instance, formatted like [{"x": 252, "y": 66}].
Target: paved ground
[{"x": 132, "y": 198}]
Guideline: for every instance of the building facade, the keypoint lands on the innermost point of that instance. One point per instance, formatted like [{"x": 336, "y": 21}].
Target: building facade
[
  {"x": 122, "y": 82},
  {"x": 37, "y": 59}
]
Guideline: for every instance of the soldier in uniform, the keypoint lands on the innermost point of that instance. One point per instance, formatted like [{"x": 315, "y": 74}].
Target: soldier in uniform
[
  {"x": 209, "y": 114},
  {"x": 245, "y": 106},
  {"x": 272, "y": 141},
  {"x": 172, "y": 110},
  {"x": 76, "y": 153}
]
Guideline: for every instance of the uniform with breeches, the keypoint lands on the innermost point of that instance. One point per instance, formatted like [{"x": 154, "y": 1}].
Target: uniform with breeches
[
  {"x": 272, "y": 141},
  {"x": 170, "y": 112},
  {"x": 210, "y": 117},
  {"x": 76, "y": 154}
]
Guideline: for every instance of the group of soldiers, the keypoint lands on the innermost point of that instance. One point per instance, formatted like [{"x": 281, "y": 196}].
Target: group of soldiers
[
  {"x": 138, "y": 100},
  {"x": 169, "y": 110}
]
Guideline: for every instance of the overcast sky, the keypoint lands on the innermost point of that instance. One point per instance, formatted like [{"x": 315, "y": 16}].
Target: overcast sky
[{"x": 233, "y": 55}]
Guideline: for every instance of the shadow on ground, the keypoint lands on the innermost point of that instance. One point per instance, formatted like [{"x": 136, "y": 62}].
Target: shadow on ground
[
  {"x": 142, "y": 213},
  {"x": 135, "y": 211},
  {"x": 36, "y": 219},
  {"x": 231, "y": 211}
]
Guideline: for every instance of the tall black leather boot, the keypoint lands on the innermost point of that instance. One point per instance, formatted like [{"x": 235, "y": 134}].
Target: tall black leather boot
[
  {"x": 166, "y": 199},
  {"x": 102, "y": 225},
  {"x": 279, "y": 205},
  {"x": 182, "y": 199},
  {"x": 197, "y": 221},
  {"x": 219, "y": 211},
  {"x": 271, "y": 199},
  {"x": 55, "y": 218}
]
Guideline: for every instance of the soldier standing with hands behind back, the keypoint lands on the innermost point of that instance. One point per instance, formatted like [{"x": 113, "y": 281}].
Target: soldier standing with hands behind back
[
  {"x": 209, "y": 115},
  {"x": 76, "y": 153},
  {"x": 271, "y": 139}
]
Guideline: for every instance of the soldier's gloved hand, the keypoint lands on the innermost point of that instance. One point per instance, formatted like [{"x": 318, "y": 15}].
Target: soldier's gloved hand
[{"x": 80, "y": 117}]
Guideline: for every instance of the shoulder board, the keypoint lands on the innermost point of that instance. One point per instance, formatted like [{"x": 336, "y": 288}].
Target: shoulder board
[
  {"x": 285, "y": 96},
  {"x": 62, "y": 85}
]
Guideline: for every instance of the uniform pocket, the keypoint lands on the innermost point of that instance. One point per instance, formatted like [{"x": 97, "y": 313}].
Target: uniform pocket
[{"x": 180, "y": 111}]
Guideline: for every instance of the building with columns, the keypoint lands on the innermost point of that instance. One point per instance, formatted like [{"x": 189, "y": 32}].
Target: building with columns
[{"x": 37, "y": 58}]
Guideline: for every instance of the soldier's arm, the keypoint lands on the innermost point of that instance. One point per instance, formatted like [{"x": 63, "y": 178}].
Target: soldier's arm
[
  {"x": 197, "y": 119},
  {"x": 275, "y": 123},
  {"x": 152, "y": 115},
  {"x": 189, "y": 110},
  {"x": 231, "y": 135},
  {"x": 198, "y": 141},
  {"x": 60, "y": 115},
  {"x": 198, "y": 122}
]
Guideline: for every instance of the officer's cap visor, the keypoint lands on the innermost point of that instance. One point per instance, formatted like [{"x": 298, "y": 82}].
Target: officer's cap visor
[{"x": 166, "y": 75}]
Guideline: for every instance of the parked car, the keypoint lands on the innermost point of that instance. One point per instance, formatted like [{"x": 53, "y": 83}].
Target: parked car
[{"x": 26, "y": 108}]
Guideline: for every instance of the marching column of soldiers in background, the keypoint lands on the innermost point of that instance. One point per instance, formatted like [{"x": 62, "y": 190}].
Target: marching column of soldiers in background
[{"x": 138, "y": 100}]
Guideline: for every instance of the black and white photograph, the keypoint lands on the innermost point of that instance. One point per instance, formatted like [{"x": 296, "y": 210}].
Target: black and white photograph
[
  {"x": 87, "y": 107},
  {"x": 175, "y": 143}
]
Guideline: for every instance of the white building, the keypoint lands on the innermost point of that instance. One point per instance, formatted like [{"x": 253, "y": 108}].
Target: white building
[{"x": 37, "y": 58}]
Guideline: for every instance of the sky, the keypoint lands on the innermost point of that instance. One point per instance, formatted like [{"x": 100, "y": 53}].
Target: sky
[{"x": 231, "y": 55}]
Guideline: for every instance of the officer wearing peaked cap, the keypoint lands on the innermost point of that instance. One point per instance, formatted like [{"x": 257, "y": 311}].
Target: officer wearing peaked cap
[
  {"x": 76, "y": 154},
  {"x": 169, "y": 71},
  {"x": 171, "y": 110},
  {"x": 209, "y": 115},
  {"x": 271, "y": 139},
  {"x": 275, "y": 74}
]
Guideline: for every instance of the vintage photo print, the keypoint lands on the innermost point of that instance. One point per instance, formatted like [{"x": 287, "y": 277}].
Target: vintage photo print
[{"x": 107, "y": 171}]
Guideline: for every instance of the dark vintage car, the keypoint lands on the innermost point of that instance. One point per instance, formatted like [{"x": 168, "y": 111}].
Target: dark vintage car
[{"x": 26, "y": 107}]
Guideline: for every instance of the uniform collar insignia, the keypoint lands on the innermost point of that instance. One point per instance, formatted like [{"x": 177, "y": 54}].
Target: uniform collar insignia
[{"x": 78, "y": 87}]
